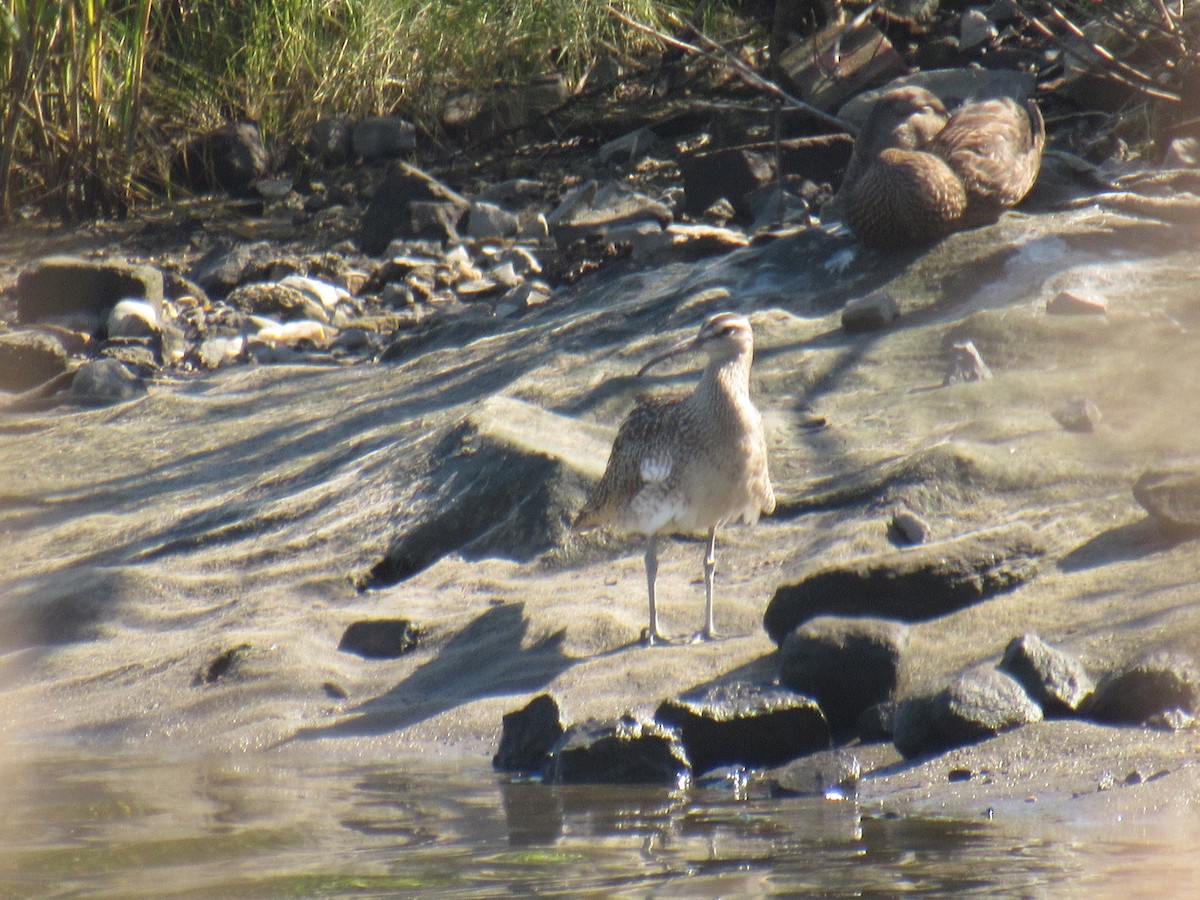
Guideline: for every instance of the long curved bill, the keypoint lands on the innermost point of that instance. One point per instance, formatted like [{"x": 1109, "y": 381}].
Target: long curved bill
[{"x": 682, "y": 347}]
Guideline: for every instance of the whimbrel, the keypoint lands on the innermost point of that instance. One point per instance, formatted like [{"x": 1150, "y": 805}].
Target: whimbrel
[
  {"x": 688, "y": 464},
  {"x": 918, "y": 173}
]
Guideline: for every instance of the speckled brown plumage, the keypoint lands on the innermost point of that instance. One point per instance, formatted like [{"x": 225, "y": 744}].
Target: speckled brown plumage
[
  {"x": 691, "y": 463},
  {"x": 917, "y": 173}
]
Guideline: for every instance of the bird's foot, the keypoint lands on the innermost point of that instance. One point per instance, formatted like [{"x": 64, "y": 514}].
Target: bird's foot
[
  {"x": 704, "y": 634},
  {"x": 658, "y": 639}
]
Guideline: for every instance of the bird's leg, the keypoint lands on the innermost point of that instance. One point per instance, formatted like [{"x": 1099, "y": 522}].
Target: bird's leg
[
  {"x": 710, "y": 571},
  {"x": 652, "y": 634}
]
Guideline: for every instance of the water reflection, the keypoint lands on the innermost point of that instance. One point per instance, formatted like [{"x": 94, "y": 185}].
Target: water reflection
[{"x": 108, "y": 825}]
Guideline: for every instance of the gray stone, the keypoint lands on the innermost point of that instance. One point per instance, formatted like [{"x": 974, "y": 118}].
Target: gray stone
[
  {"x": 230, "y": 158},
  {"x": 628, "y": 147},
  {"x": 1057, "y": 681},
  {"x": 133, "y": 319},
  {"x": 732, "y": 174},
  {"x": 609, "y": 207},
  {"x": 832, "y": 772},
  {"x": 527, "y": 736},
  {"x": 1172, "y": 498},
  {"x": 871, "y": 312},
  {"x": 906, "y": 528},
  {"x": 1077, "y": 414},
  {"x": 380, "y": 638},
  {"x": 847, "y": 665},
  {"x": 73, "y": 288},
  {"x": 389, "y": 213},
  {"x": 976, "y": 705},
  {"x": 104, "y": 382},
  {"x": 912, "y": 584},
  {"x": 1151, "y": 686},
  {"x": 966, "y": 365},
  {"x": 625, "y": 751},
  {"x": 331, "y": 139},
  {"x": 488, "y": 222},
  {"x": 746, "y": 724},
  {"x": 383, "y": 137},
  {"x": 514, "y": 193},
  {"x": 30, "y": 358},
  {"x": 224, "y": 267},
  {"x": 878, "y": 722},
  {"x": 277, "y": 300}
]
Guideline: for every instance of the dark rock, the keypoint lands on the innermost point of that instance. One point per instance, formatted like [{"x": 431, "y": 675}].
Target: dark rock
[
  {"x": 878, "y": 722},
  {"x": 224, "y": 267},
  {"x": 479, "y": 115},
  {"x": 966, "y": 365},
  {"x": 1172, "y": 497},
  {"x": 383, "y": 137},
  {"x": 746, "y": 724},
  {"x": 230, "y": 158},
  {"x": 847, "y": 665},
  {"x": 277, "y": 300},
  {"x": 1077, "y": 414},
  {"x": 437, "y": 219},
  {"x": 912, "y": 584},
  {"x": 592, "y": 215},
  {"x": 103, "y": 382},
  {"x": 1154, "y": 685},
  {"x": 907, "y": 528},
  {"x": 30, "y": 358},
  {"x": 65, "y": 286},
  {"x": 380, "y": 638},
  {"x": 821, "y": 774},
  {"x": 527, "y": 735},
  {"x": 625, "y": 751},
  {"x": 870, "y": 313},
  {"x": 1067, "y": 303},
  {"x": 1057, "y": 681},
  {"x": 222, "y": 666},
  {"x": 388, "y": 215},
  {"x": 731, "y": 174},
  {"x": 976, "y": 705},
  {"x": 331, "y": 140}
]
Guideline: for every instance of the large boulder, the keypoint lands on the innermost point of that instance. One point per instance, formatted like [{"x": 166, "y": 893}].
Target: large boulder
[
  {"x": 624, "y": 751},
  {"x": 30, "y": 358},
  {"x": 745, "y": 724},
  {"x": 1172, "y": 497},
  {"x": 390, "y": 213},
  {"x": 231, "y": 158},
  {"x": 1154, "y": 685},
  {"x": 912, "y": 584},
  {"x": 527, "y": 736},
  {"x": 976, "y": 705},
  {"x": 82, "y": 290},
  {"x": 1057, "y": 681},
  {"x": 847, "y": 665}
]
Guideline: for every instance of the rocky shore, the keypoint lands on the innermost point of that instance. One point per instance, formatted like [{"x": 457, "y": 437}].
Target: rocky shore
[{"x": 301, "y": 467}]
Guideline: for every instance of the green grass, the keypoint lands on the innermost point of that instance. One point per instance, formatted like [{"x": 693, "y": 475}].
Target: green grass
[{"x": 96, "y": 92}]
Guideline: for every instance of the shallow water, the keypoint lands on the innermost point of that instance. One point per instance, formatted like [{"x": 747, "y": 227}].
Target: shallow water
[{"x": 84, "y": 824}]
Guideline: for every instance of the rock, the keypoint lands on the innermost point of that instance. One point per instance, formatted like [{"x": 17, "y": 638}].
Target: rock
[
  {"x": 436, "y": 219},
  {"x": 513, "y": 193},
  {"x": 1182, "y": 153},
  {"x": 1077, "y": 414},
  {"x": 389, "y": 213},
  {"x": 230, "y": 158},
  {"x": 847, "y": 665},
  {"x": 30, "y": 358},
  {"x": 689, "y": 242},
  {"x": 524, "y": 296},
  {"x": 966, "y": 365},
  {"x": 745, "y": 724},
  {"x": 906, "y": 528},
  {"x": 832, "y": 773},
  {"x": 527, "y": 736},
  {"x": 73, "y": 288},
  {"x": 877, "y": 723},
  {"x": 383, "y": 137},
  {"x": 1069, "y": 303},
  {"x": 331, "y": 140},
  {"x": 625, "y": 751},
  {"x": 380, "y": 638},
  {"x": 732, "y": 174},
  {"x": 328, "y": 296},
  {"x": 1151, "y": 686},
  {"x": 488, "y": 222},
  {"x": 224, "y": 267},
  {"x": 864, "y": 57},
  {"x": 609, "y": 207},
  {"x": 103, "y": 382},
  {"x": 975, "y": 28},
  {"x": 133, "y": 319},
  {"x": 1172, "y": 497},
  {"x": 976, "y": 705},
  {"x": 510, "y": 478},
  {"x": 220, "y": 350},
  {"x": 628, "y": 147},
  {"x": 479, "y": 115},
  {"x": 912, "y": 584},
  {"x": 276, "y": 300},
  {"x": 871, "y": 312},
  {"x": 1056, "y": 681}
]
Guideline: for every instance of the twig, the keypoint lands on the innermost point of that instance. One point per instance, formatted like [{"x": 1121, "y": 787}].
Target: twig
[{"x": 721, "y": 55}]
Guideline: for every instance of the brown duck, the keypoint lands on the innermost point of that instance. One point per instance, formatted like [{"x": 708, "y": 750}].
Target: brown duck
[{"x": 918, "y": 172}]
